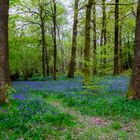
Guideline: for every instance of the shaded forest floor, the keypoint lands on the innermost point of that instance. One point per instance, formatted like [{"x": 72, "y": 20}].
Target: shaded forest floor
[{"x": 64, "y": 110}]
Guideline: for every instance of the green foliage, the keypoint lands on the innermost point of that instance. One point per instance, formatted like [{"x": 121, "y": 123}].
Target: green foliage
[
  {"x": 116, "y": 125},
  {"x": 37, "y": 78},
  {"x": 21, "y": 77},
  {"x": 95, "y": 85},
  {"x": 115, "y": 107},
  {"x": 31, "y": 118},
  {"x": 10, "y": 92}
]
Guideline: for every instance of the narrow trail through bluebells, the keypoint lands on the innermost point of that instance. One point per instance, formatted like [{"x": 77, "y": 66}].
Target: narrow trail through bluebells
[{"x": 84, "y": 122}]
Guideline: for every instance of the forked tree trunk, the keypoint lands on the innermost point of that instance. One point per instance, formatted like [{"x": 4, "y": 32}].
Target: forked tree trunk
[
  {"x": 87, "y": 44},
  {"x": 4, "y": 63},
  {"x": 134, "y": 87},
  {"x": 74, "y": 42}
]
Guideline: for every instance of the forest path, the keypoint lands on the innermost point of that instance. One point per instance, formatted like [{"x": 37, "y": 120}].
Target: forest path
[{"x": 84, "y": 123}]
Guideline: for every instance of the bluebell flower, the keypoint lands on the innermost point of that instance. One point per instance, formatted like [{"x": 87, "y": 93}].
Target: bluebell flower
[{"x": 19, "y": 97}]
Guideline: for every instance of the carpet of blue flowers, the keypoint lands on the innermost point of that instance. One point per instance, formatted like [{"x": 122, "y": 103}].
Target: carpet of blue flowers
[{"x": 31, "y": 115}]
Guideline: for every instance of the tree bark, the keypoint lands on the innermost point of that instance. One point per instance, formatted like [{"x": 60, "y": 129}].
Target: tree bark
[
  {"x": 87, "y": 44},
  {"x": 4, "y": 62},
  {"x": 43, "y": 47},
  {"x": 120, "y": 50},
  {"x": 104, "y": 32},
  {"x": 134, "y": 88},
  {"x": 54, "y": 40},
  {"x": 94, "y": 39},
  {"x": 116, "y": 43},
  {"x": 74, "y": 43},
  {"x": 62, "y": 50},
  {"x": 47, "y": 62},
  {"x": 103, "y": 40}
]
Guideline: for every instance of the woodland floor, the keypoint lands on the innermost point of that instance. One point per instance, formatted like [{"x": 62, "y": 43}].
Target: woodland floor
[{"x": 64, "y": 110}]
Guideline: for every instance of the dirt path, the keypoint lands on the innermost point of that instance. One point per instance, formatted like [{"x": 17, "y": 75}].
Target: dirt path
[{"x": 84, "y": 123}]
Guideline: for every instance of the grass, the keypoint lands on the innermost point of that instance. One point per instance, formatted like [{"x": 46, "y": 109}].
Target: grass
[
  {"x": 63, "y": 109},
  {"x": 32, "y": 118}
]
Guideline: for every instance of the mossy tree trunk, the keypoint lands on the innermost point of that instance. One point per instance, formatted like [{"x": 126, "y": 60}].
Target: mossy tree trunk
[
  {"x": 4, "y": 63},
  {"x": 74, "y": 42},
  {"x": 134, "y": 87},
  {"x": 87, "y": 44}
]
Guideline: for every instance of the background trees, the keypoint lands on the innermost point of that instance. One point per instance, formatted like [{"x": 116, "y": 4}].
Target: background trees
[
  {"x": 33, "y": 26},
  {"x": 50, "y": 37}
]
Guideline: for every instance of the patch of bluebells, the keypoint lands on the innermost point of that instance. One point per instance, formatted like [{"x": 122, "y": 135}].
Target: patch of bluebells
[
  {"x": 19, "y": 96},
  {"x": 68, "y": 88},
  {"x": 30, "y": 112},
  {"x": 35, "y": 106},
  {"x": 54, "y": 86},
  {"x": 117, "y": 85}
]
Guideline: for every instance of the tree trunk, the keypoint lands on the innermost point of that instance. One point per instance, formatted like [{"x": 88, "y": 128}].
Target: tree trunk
[
  {"x": 129, "y": 59},
  {"x": 87, "y": 44},
  {"x": 101, "y": 49},
  {"x": 43, "y": 47},
  {"x": 81, "y": 58},
  {"x": 103, "y": 36},
  {"x": 43, "y": 39},
  {"x": 134, "y": 88},
  {"x": 104, "y": 32},
  {"x": 94, "y": 39},
  {"x": 120, "y": 50},
  {"x": 62, "y": 50},
  {"x": 47, "y": 62},
  {"x": 74, "y": 43},
  {"x": 4, "y": 62},
  {"x": 116, "y": 44},
  {"x": 54, "y": 40}
]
